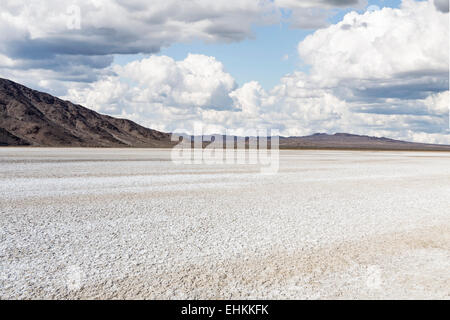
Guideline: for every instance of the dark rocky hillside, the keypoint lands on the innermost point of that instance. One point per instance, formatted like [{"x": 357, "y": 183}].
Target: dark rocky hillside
[{"x": 29, "y": 117}]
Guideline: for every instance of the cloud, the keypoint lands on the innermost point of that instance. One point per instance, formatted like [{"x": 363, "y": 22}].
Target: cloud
[
  {"x": 381, "y": 44},
  {"x": 54, "y": 45},
  {"x": 314, "y": 14},
  {"x": 441, "y": 5},
  {"x": 42, "y": 29},
  {"x": 40, "y": 34},
  {"x": 309, "y": 18},
  {"x": 160, "y": 88},
  {"x": 389, "y": 53},
  {"x": 438, "y": 104},
  {"x": 250, "y": 98},
  {"x": 317, "y": 3},
  {"x": 390, "y": 66},
  {"x": 142, "y": 27},
  {"x": 198, "y": 81},
  {"x": 382, "y": 73},
  {"x": 71, "y": 37}
]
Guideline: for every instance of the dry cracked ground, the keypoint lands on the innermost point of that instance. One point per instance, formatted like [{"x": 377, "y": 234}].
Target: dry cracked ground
[{"x": 129, "y": 223}]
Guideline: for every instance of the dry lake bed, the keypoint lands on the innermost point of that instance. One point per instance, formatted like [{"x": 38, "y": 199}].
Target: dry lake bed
[{"x": 129, "y": 223}]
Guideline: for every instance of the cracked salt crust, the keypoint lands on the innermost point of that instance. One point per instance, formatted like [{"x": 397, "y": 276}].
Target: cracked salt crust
[{"x": 128, "y": 223}]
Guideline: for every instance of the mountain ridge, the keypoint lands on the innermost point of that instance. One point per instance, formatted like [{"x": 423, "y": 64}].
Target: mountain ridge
[{"x": 352, "y": 141}]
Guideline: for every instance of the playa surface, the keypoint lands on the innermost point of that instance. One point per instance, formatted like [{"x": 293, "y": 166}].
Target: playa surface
[{"x": 129, "y": 223}]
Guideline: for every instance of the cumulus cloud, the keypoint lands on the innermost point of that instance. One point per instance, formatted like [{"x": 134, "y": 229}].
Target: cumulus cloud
[
  {"x": 198, "y": 81},
  {"x": 317, "y": 3},
  {"x": 389, "y": 65},
  {"x": 250, "y": 98},
  {"x": 382, "y": 73},
  {"x": 166, "y": 94},
  {"x": 161, "y": 89},
  {"x": 438, "y": 104},
  {"x": 381, "y": 44}
]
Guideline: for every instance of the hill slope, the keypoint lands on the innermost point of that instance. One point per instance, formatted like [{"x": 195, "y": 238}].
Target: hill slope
[{"x": 36, "y": 118}]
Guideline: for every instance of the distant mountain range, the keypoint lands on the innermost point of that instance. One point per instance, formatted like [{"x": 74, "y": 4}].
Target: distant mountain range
[
  {"x": 351, "y": 141},
  {"x": 30, "y": 117}
]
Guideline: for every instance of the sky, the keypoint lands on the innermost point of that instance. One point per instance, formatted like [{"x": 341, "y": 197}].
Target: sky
[{"x": 372, "y": 67}]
